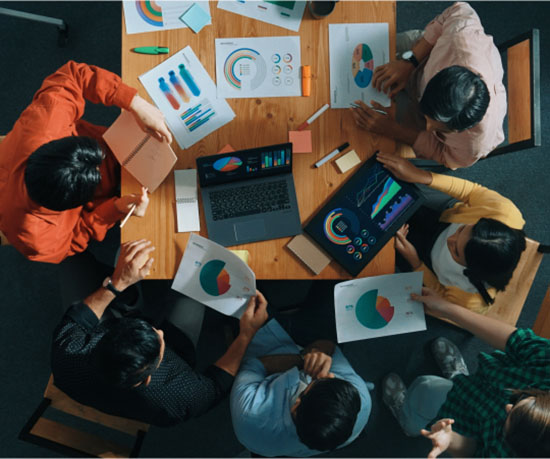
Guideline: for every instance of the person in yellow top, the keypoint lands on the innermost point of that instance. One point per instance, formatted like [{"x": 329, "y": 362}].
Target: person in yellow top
[{"x": 467, "y": 244}]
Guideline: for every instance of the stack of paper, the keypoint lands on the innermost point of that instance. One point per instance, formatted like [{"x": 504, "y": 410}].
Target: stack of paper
[{"x": 187, "y": 203}]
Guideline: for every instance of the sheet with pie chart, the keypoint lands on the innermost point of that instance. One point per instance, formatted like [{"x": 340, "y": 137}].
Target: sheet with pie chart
[
  {"x": 214, "y": 276},
  {"x": 258, "y": 67},
  {"x": 372, "y": 307},
  {"x": 355, "y": 50}
]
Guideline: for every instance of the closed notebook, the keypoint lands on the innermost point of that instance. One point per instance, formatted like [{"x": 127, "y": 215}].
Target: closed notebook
[
  {"x": 146, "y": 158},
  {"x": 187, "y": 203}
]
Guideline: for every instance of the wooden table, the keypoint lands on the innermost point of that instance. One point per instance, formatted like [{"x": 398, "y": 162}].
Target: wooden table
[{"x": 260, "y": 122}]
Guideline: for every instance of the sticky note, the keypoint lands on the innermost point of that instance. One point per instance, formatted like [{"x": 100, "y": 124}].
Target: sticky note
[
  {"x": 349, "y": 160},
  {"x": 195, "y": 17},
  {"x": 301, "y": 141},
  {"x": 227, "y": 149}
]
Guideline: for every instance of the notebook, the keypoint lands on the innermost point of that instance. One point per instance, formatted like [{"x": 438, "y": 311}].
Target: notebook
[
  {"x": 187, "y": 204},
  {"x": 146, "y": 158}
]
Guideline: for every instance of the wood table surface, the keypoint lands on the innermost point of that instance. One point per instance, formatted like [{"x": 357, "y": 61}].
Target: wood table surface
[{"x": 260, "y": 122}]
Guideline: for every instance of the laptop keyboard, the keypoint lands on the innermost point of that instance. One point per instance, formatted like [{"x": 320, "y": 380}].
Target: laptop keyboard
[{"x": 259, "y": 198}]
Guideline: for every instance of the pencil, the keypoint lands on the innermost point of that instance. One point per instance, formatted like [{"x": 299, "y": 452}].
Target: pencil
[{"x": 128, "y": 215}]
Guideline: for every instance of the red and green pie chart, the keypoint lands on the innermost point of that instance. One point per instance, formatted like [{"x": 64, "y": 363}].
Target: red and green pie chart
[
  {"x": 227, "y": 164},
  {"x": 214, "y": 279},
  {"x": 373, "y": 311}
]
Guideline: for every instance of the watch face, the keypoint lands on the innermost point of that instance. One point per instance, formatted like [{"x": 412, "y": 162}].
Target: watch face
[{"x": 407, "y": 55}]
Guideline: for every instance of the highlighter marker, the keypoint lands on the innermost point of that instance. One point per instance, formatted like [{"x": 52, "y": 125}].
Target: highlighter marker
[
  {"x": 179, "y": 88},
  {"x": 189, "y": 80},
  {"x": 306, "y": 80},
  {"x": 168, "y": 93}
]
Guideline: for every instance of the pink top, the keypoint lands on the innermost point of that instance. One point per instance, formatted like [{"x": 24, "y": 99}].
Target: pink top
[{"x": 458, "y": 38}]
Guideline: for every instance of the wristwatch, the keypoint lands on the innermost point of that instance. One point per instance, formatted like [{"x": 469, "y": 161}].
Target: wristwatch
[
  {"x": 108, "y": 284},
  {"x": 409, "y": 57}
]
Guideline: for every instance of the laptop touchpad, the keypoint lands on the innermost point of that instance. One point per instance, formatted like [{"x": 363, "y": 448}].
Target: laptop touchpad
[{"x": 250, "y": 229}]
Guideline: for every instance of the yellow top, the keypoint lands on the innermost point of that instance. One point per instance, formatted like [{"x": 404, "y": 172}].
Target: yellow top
[{"x": 476, "y": 202}]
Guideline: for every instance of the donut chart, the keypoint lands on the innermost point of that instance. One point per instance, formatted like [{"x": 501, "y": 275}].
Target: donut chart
[
  {"x": 227, "y": 164},
  {"x": 245, "y": 63},
  {"x": 338, "y": 224},
  {"x": 373, "y": 311},
  {"x": 214, "y": 279},
  {"x": 362, "y": 65},
  {"x": 150, "y": 12}
]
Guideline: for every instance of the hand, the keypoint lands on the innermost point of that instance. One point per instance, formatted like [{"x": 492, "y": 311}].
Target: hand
[
  {"x": 317, "y": 364},
  {"x": 373, "y": 121},
  {"x": 433, "y": 303},
  {"x": 150, "y": 119},
  {"x": 133, "y": 263},
  {"x": 403, "y": 169},
  {"x": 392, "y": 77},
  {"x": 441, "y": 436},
  {"x": 124, "y": 204},
  {"x": 405, "y": 248},
  {"x": 254, "y": 316}
]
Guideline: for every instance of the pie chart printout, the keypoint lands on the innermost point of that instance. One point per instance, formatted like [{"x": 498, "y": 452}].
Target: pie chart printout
[
  {"x": 362, "y": 65},
  {"x": 373, "y": 311},
  {"x": 214, "y": 279}
]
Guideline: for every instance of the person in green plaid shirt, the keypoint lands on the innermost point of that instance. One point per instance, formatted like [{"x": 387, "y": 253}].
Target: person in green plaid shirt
[{"x": 502, "y": 410}]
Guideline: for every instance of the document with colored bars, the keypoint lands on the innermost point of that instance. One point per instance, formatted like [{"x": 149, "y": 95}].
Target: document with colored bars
[{"x": 186, "y": 95}]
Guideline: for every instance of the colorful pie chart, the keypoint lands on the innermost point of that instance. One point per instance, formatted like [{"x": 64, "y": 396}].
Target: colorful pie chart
[
  {"x": 227, "y": 164},
  {"x": 362, "y": 65},
  {"x": 150, "y": 11},
  {"x": 214, "y": 279},
  {"x": 373, "y": 311}
]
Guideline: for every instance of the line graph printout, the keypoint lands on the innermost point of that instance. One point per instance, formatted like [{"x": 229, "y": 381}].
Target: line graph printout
[
  {"x": 215, "y": 277},
  {"x": 355, "y": 50},
  {"x": 372, "y": 307}
]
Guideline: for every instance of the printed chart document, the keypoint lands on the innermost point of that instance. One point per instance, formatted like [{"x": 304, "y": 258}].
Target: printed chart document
[
  {"x": 215, "y": 277},
  {"x": 287, "y": 14},
  {"x": 378, "y": 306},
  {"x": 186, "y": 95},
  {"x": 187, "y": 202},
  {"x": 258, "y": 67},
  {"x": 153, "y": 16},
  {"x": 355, "y": 50},
  {"x": 145, "y": 157}
]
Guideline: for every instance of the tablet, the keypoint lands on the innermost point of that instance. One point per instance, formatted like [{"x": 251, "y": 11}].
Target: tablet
[{"x": 363, "y": 215}]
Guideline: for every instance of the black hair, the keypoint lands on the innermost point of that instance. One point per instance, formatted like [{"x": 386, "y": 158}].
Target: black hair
[
  {"x": 492, "y": 254},
  {"x": 326, "y": 414},
  {"x": 63, "y": 174},
  {"x": 457, "y": 97},
  {"x": 128, "y": 353}
]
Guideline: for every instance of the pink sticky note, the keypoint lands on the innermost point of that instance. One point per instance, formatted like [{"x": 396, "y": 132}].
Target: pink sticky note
[
  {"x": 301, "y": 141},
  {"x": 227, "y": 149}
]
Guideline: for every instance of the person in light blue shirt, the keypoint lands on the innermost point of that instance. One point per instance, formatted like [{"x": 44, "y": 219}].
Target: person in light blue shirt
[{"x": 290, "y": 403}]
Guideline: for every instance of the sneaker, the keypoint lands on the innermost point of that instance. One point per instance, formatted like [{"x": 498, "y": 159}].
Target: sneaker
[
  {"x": 448, "y": 358},
  {"x": 393, "y": 394}
]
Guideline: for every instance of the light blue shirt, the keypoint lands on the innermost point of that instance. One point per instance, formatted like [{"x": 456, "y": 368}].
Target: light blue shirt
[{"x": 260, "y": 404}]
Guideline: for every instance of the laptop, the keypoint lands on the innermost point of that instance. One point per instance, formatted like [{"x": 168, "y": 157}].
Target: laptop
[{"x": 249, "y": 195}]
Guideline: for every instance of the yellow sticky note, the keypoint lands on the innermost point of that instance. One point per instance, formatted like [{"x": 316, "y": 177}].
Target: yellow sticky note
[
  {"x": 301, "y": 141},
  {"x": 349, "y": 160}
]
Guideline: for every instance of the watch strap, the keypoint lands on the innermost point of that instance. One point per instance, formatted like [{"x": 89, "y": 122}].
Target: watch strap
[{"x": 108, "y": 284}]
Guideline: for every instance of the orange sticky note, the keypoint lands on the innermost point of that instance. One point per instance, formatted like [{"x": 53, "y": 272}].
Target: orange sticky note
[
  {"x": 301, "y": 141},
  {"x": 227, "y": 149}
]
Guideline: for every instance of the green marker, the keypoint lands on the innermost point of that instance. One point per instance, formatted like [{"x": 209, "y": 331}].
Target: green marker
[{"x": 151, "y": 50}]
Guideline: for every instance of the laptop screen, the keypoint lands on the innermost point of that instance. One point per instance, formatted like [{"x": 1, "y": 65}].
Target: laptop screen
[{"x": 245, "y": 164}]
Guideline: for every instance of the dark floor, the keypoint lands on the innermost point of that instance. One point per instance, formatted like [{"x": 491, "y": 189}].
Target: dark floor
[{"x": 30, "y": 300}]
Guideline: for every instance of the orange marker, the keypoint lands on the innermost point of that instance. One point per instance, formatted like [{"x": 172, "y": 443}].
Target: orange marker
[{"x": 306, "y": 80}]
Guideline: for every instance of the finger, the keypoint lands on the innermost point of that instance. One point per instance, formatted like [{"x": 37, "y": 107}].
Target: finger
[
  {"x": 436, "y": 451},
  {"x": 261, "y": 297},
  {"x": 396, "y": 89},
  {"x": 378, "y": 106},
  {"x": 325, "y": 369},
  {"x": 142, "y": 256},
  {"x": 165, "y": 132},
  {"x": 144, "y": 271},
  {"x": 135, "y": 248}
]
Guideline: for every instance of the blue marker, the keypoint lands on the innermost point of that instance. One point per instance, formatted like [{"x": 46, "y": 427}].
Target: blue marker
[{"x": 189, "y": 80}]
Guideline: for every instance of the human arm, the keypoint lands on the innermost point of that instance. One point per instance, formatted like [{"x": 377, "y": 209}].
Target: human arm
[
  {"x": 445, "y": 439},
  {"x": 492, "y": 331}
]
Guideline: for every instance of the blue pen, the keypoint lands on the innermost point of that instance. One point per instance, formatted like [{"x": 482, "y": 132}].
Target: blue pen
[{"x": 189, "y": 80}]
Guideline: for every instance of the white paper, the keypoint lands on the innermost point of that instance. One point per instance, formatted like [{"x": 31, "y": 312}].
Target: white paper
[
  {"x": 286, "y": 14},
  {"x": 153, "y": 16},
  {"x": 371, "y": 307},
  {"x": 258, "y": 67},
  {"x": 189, "y": 103},
  {"x": 187, "y": 202},
  {"x": 215, "y": 277},
  {"x": 355, "y": 51}
]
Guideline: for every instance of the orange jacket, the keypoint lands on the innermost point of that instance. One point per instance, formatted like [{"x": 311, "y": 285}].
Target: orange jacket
[{"x": 39, "y": 233}]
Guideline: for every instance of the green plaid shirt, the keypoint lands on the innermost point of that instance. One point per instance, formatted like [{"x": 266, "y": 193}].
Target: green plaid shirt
[{"x": 476, "y": 402}]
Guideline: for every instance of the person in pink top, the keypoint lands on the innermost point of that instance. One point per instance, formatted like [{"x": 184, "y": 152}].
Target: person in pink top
[{"x": 450, "y": 82}]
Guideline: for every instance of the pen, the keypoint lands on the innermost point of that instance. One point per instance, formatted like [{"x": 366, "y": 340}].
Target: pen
[
  {"x": 128, "y": 215},
  {"x": 332, "y": 154},
  {"x": 316, "y": 115},
  {"x": 151, "y": 50},
  {"x": 372, "y": 108}
]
